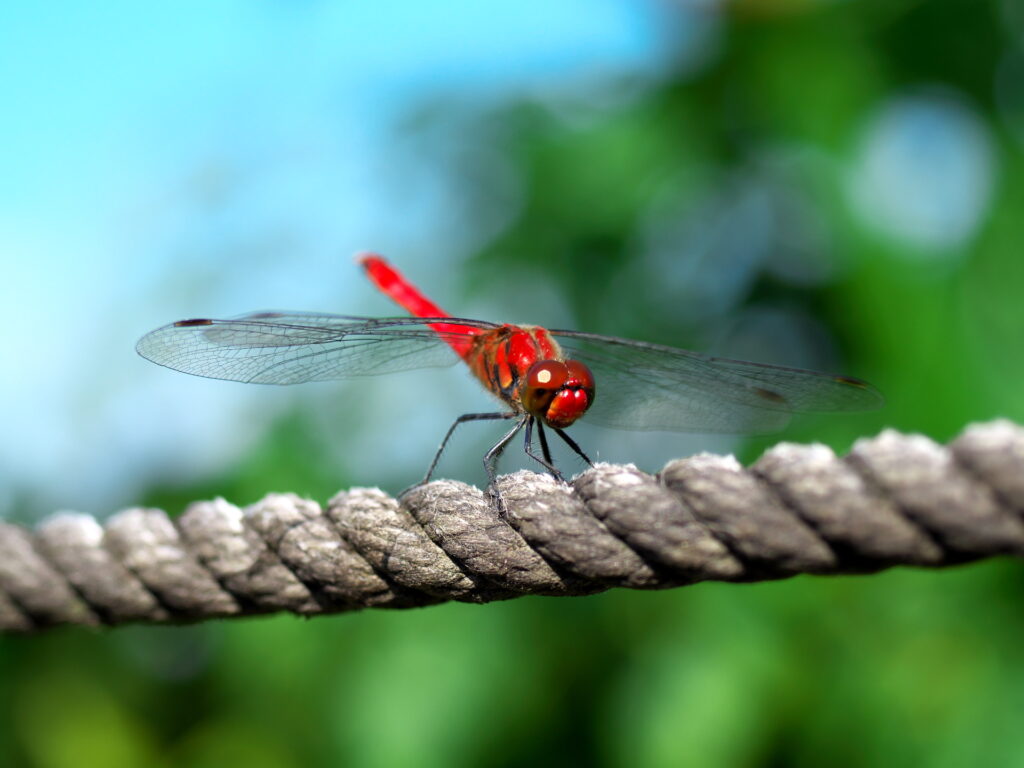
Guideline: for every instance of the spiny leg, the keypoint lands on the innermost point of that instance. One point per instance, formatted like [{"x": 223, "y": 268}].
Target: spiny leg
[
  {"x": 546, "y": 461},
  {"x": 491, "y": 462},
  {"x": 544, "y": 442},
  {"x": 572, "y": 444},
  {"x": 465, "y": 417}
]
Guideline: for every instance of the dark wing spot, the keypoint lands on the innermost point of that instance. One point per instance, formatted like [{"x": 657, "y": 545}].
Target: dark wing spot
[
  {"x": 767, "y": 394},
  {"x": 190, "y": 323},
  {"x": 851, "y": 381},
  {"x": 263, "y": 315}
]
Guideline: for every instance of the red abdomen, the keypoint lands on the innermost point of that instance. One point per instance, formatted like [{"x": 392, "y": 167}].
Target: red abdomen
[
  {"x": 499, "y": 357},
  {"x": 408, "y": 296}
]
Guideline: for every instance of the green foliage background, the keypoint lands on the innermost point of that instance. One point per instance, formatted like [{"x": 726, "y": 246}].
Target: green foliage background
[{"x": 900, "y": 668}]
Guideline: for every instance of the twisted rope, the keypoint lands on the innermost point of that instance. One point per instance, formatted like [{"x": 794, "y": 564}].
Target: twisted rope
[{"x": 894, "y": 500}]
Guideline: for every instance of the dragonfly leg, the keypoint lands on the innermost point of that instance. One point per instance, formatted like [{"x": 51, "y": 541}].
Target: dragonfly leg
[
  {"x": 544, "y": 443},
  {"x": 572, "y": 444},
  {"x": 465, "y": 417},
  {"x": 491, "y": 461},
  {"x": 546, "y": 461}
]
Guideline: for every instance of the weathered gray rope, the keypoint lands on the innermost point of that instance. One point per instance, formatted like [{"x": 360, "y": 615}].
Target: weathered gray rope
[{"x": 894, "y": 500}]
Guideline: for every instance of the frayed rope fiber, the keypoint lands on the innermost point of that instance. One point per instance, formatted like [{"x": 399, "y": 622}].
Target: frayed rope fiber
[{"x": 894, "y": 500}]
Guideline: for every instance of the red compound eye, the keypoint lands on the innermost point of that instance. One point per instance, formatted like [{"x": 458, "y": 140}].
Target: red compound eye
[
  {"x": 579, "y": 376},
  {"x": 543, "y": 381},
  {"x": 547, "y": 374},
  {"x": 573, "y": 399},
  {"x": 558, "y": 393}
]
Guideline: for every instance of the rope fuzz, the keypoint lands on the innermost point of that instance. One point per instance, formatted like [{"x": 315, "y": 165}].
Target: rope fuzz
[{"x": 894, "y": 500}]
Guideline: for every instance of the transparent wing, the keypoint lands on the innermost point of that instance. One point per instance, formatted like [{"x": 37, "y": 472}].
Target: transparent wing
[
  {"x": 653, "y": 387},
  {"x": 291, "y": 347}
]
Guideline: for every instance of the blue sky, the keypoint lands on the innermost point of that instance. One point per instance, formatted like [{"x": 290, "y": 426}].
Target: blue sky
[{"x": 165, "y": 160}]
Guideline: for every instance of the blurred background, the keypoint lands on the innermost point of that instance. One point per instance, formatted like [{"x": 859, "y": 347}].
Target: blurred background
[{"x": 823, "y": 183}]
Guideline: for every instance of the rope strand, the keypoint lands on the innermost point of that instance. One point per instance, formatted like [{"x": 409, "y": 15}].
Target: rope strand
[{"x": 894, "y": 500}]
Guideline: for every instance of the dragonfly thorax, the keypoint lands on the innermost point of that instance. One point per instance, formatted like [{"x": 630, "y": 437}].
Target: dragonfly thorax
[{"x": 558, "y": 392}]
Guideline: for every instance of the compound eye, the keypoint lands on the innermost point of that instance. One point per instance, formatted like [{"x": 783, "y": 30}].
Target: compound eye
[
  {"x": 547, "y": 374},
  {"x": 580, "y": 375},
  {"x": 543, "y": 381}
]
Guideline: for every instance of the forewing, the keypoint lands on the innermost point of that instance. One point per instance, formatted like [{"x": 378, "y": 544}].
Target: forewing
[
  {"x": 653, "y": 387},
  {"x": 290, "y": 348}
]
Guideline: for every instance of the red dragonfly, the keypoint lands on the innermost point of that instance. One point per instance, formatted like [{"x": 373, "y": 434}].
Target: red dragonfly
[{"x": 545, "y": 378}]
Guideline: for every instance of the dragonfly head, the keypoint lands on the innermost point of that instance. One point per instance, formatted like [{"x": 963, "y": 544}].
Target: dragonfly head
[{"x": 558, "y": 392}]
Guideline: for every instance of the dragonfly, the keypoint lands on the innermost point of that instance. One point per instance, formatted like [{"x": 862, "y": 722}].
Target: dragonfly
[{"x": 543, "y": 378}]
